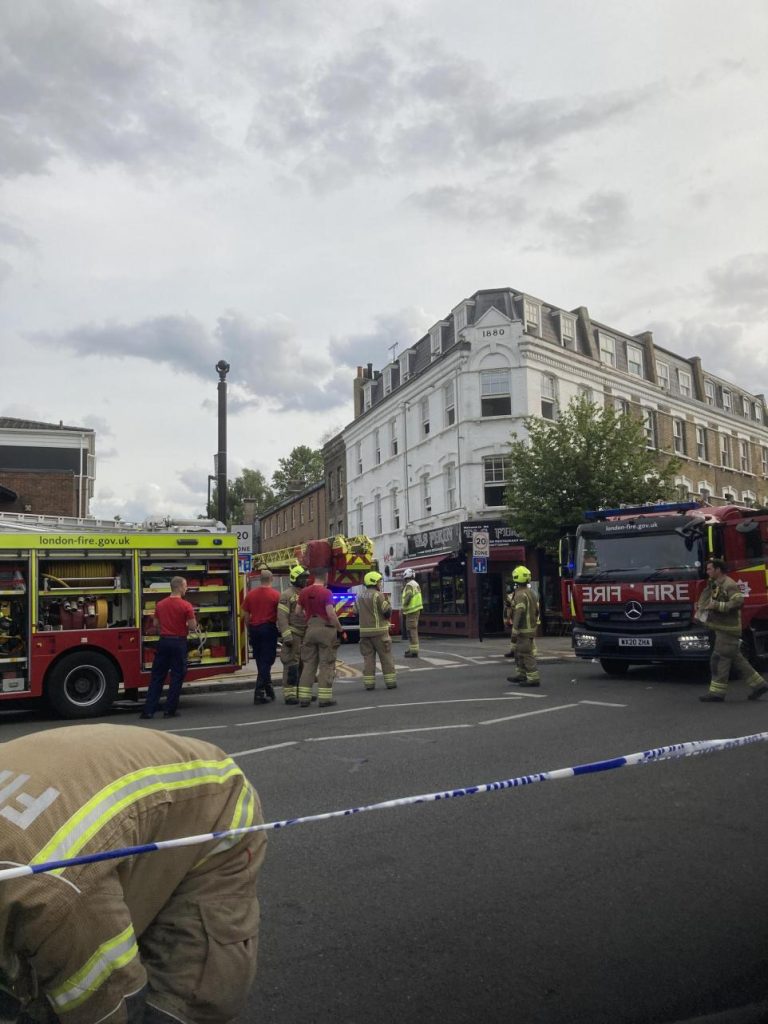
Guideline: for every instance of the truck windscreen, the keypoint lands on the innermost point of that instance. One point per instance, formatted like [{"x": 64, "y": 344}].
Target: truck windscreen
[{"x": 639, "y": 556}]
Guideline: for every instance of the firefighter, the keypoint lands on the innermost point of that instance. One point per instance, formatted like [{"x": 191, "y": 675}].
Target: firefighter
[
  {"x": 411, "y": 604},
  {"x": 291, "y": 624},
  {"x": 525, "y": 617},
  {"x": 320, "y": 643},
  {"x": 509, "y": 600},
  {"x": 149, "y": 939},
  {"x": 374, "y": 611},
  {"x": 720, "y": 608}
]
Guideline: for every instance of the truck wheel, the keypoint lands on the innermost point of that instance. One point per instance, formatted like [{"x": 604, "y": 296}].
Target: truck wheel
[
  {"x": 82, "y": 685},
  {"x": 614, "y": 666}
]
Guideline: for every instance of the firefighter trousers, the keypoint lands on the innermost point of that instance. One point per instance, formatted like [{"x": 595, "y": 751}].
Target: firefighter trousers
[
  {"x": 370, "y": 646},
  {"x": 412, "y": 626},
  {"x": 290, "y": 656},
  {"x": 726, "y": 655},
  {"x": 525, "y": 661},
  {"x": 318, "y": 660}
]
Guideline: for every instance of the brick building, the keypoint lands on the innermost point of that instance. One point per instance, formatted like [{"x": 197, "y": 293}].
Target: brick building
[
  {"x": 46, "y": 468},
  {"x": 294, "y": 520}
]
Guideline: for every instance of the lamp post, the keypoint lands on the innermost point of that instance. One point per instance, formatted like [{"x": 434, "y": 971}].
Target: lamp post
[{"x": 222, "y": 368}]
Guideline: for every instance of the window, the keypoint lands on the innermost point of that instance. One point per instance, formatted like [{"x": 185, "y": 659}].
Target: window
[
  {"x": 341, "y": 527},
  {"x": 683, "y": 487},
  {"x": 621, "y": 405},
  {"x": 746, "y": 407},
  {"x": 568, "y": 331},
  {"x": 436, "y": 341},
  {"x": 359, "y": 457},
  {"x": 725, "y": 450},
  {"x": 367, "y": 396},
  {"x": 285, "y": 520},
  {"x": 495, "y": 474},
  {"x": 756, "y": 413},
  {"x": 532, "y": 317},
  {"x": 449, "y": 403},
  {"x": 388, "y": 380},
  {"x": 701, "y": 444},
  {"x": 395, "y": 509},
  {"x": 301, "y": 513},
  {"x": 684, "y": 383},
  {"x": 548, "y": 397},
  {"x": 340, "y": 482},
  {"x": 360, "y": 524},
  {"x": 607, "y": 349},
  {"x": 585, "y": 391},
  {"x": 424, "y": 412},
  {"x": 426, "y": 495},
  {"x": 705, "y": 490},
  {"x": 376, "y": 448},
  {"x": 728, "y": 494},
  {"x": 765, "y": 460},
  {"x": 393, "y": 437},
  {"x": 727, "y": 400},
  {"x": 311, "y": 508},
  {"x": 450, "y": 486},
  {"x": 678, "y": 436},
  {"x": 460, "y": 319},
  {"x": 378, "y": 525},
  {"x": 649, "y": 426},
  {"x": 405, "y": 361},
  {"x": 662, "y": 373},
  {"x": 634, "y": 360},
  {"x": 293, "y": 517},
  {"x": 709, "y": 392},
  {"x": 744, "y": 462},
  {"x": 495, "y": 398},
  {"x": 749, "y": 498}
]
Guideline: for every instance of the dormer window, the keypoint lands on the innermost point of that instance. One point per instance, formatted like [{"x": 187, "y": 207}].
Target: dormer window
[
  {"x": 635, "y": 361},
  {"x": 406, "y": 365},
  {"x": 662, "y": 375},
  {"x": 532, "y": 312},
  {"x": 436, "y": 341},
  {"x": 367, "y": 396},
  {"x": 567, "y": 331},
  {"x": 684, "y": 383}
]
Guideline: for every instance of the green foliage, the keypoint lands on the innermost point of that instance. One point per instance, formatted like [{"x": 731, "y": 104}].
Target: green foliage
[
  {"x": 250, "y": 484},
  {"x": 590, "y": 457},
  {"x": 302, "y": 468}
]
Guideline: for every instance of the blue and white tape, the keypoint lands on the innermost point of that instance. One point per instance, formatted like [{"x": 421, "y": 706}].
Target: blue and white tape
[{"x": 674, "y": 750}]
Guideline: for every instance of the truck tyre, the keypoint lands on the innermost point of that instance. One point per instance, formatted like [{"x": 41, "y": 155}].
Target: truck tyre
[
  {"x": 82, "y": 685},
  {"x": 614, "y": 666}
]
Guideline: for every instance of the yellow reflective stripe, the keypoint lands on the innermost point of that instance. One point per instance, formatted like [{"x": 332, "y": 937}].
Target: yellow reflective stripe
[
  {"x": 242, "y": 818},
  {"x": 75, "y": 833},
  {"x": 108, "y": 958}
]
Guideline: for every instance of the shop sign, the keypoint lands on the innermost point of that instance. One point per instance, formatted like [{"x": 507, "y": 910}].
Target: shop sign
[
  {"x": 447, "y": 538},
  {"x": 499, "y": 534}
]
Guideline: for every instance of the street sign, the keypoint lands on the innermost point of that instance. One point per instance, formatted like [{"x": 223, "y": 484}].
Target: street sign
[
  {"x": 479, "y": 564},
  {"x": 481, "y": 544},
  {"x": 244, "y": 536},
  {"x": 245, "y": 563}
]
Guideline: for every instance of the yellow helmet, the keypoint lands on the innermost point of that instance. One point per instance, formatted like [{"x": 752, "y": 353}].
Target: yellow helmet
[
  {"x": 521, "y": 574},
  {"x": 298, "y": 575},
  {"x": 372, "y": 579}
]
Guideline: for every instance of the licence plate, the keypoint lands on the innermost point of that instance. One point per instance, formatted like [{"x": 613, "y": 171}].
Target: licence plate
[{"x": 635, "y": 641}]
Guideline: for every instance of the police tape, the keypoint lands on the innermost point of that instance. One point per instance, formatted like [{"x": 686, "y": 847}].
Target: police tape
[{"x": 674, "y": 750}]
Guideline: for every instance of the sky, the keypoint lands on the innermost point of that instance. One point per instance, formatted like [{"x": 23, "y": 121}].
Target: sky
[{"x": 296, "y": 185}]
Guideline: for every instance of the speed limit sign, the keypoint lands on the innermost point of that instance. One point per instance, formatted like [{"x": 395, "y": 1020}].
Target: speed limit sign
[{"x": 480, "y": 544}]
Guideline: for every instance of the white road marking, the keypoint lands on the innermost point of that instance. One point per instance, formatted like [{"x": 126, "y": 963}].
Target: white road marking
[
  {"x": 387, "y": 732},
  {"x": 259, "y": 750},
  {"x": 602, "y": 704},
  {"x": 459, "y": 700},
  {"x": 436, "y": 662},
  {"x": 526, "y": 714}
]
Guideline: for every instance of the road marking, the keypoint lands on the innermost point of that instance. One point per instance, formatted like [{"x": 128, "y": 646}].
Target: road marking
[
  {"x": 602, "y": 704},
  {"x": 259, "y": 750},
  {"x": 437, "y": 662},
  {"x": 386, "y": 732},
  {"x": 526, "y": 714},
  {"x": 459, "y": 700}
]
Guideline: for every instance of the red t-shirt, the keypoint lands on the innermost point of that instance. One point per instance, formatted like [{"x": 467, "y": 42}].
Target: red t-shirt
[
  {"x": 314, "y": 600},
  {"x": 173, "y": 613},
  {"x": 261, "y": 604}
]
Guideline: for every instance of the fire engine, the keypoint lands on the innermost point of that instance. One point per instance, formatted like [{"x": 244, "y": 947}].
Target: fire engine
[
  {"x": 631, "y": 578},
  {"x": 347, "y": 560},
  {"x": 76, "y": 608}
]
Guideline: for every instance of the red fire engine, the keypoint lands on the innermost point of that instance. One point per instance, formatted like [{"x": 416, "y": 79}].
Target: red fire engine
[{"x": 631, "y": 578}]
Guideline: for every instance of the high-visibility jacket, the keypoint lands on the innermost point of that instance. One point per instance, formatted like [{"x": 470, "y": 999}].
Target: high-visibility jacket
[
  {"x": 525, "y": 612},
  {"x": 726, "y": 599},
  {"x": 71, "y": 934},
  {"x": 373, "y": 610},
  {"x": 411, "y": 598},
  {"x": 291, "y": 620}
]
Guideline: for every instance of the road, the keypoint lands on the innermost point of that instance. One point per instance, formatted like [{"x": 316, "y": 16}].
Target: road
[{"x": 635, "y": 896}]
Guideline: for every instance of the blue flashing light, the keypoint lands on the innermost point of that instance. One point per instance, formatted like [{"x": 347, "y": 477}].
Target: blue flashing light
[{"x": 641, "y": 510}]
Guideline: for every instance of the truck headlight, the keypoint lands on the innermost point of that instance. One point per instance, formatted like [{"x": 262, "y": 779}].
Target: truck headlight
[
  {"x": 585, "y": 640},
  {"x": 693, "y": 642}
]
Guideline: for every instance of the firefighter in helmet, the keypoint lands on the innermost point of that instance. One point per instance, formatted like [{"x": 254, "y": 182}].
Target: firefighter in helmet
[
  {"x": 509, "y": 601},
  {"x": 411, "y": 607},
  {"x": 291, "y": 625},
  {"x": 525, "y": 617},
  {"x": 374, "y": 611}
]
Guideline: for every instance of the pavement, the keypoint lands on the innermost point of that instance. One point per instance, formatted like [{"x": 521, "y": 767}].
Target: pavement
[{"x": 551, "y": 649}]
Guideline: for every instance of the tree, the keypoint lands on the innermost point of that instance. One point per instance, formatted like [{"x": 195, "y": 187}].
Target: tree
[
  {"x": 590, "y": 457},
  {"x": 302, "y": 468},
  {"x": 250, "y": 484}
]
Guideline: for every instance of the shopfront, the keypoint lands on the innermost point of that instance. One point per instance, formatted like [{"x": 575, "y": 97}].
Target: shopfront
[{"x": 457, "y": 601}]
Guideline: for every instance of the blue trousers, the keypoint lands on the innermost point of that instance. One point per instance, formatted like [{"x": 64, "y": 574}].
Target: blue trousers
[
  {"x": 264, "y": 646},
  {"x": 171, "y": 656}
]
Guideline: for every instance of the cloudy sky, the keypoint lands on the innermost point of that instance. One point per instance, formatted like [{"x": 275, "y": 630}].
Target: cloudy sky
[{"x": 294, "y": 185}]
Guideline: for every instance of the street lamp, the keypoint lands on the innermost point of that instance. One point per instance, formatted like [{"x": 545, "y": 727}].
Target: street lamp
[{"x": 222, "y": 368}]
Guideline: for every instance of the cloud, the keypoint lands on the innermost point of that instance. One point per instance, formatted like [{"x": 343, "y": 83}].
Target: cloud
[
  {"x": 100, "y": 425},
  {"x": 725, "y": 349},
  {"x": 401, "y": 328},
  {"x": 14, "y": 237},
  {"x": 741, "y": 285},
  {"x": 602, "y": 222},
  {"x": 83, "y": 80}
]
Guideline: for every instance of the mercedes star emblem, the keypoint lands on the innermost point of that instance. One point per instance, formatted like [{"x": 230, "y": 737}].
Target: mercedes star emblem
[{"x": 633, "y": 610}]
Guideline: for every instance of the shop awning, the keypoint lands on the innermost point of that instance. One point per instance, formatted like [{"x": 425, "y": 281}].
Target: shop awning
[{"x": 425, "y": 563}]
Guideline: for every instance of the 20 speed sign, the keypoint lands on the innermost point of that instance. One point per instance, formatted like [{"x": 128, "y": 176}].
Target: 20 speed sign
[{"x": 480, "y": 544}]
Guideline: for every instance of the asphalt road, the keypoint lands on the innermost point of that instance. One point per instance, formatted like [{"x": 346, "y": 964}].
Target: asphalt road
[{"x": 636, "y": 895}]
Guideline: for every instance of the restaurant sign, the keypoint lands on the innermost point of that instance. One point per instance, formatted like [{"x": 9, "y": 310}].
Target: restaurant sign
[
  {"x": 499, "y": 534},
  {"x": 445, "y": 539}
]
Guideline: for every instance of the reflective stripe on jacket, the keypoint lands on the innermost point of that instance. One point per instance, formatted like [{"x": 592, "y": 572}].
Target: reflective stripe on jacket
[
  {"x": 411, "y": 599},
  {"x": 373, "y": 610}
]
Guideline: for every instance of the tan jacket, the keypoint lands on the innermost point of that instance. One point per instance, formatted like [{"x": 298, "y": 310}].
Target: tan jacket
[
  {"x": 373, "y": 610},
  {"x": 726, "y": 599},
  {"x": 525, "y": 612},
  {"x": 290, "y": 615},
  {"x": 72, "y": 934}
]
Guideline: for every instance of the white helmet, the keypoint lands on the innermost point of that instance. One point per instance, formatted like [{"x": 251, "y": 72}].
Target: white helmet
[{"x": 409, "y": 574}]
